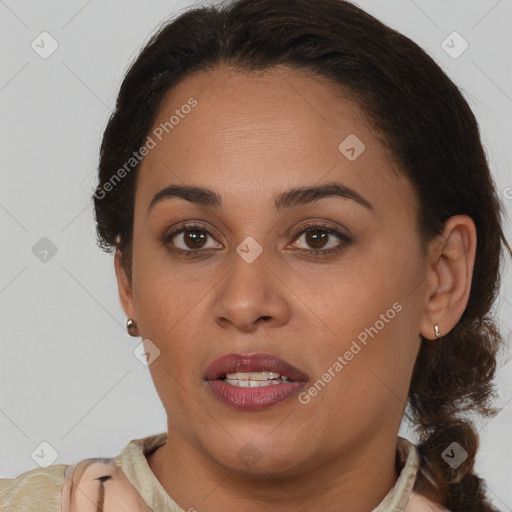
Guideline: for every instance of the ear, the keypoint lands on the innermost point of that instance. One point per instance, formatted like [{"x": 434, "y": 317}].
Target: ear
[
  {"x": 125, "y": 288},
  {"x": 450, "y": 270}
]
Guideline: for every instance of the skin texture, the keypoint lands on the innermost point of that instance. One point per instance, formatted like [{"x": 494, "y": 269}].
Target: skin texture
[{"x": 251, "y": 136}]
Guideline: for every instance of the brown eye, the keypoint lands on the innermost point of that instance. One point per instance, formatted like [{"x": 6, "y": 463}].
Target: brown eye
[
  {"x": 194, "y": 238},
  {"x": 321, "y": 240},
  {"x": 316, "y": 238},
  {"x": 189, "y": 239}
]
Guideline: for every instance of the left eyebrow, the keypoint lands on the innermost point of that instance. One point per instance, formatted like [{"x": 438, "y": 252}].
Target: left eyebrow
[
  {"x": 284, "y": 200},
  {"x": 304, "y": 195}
]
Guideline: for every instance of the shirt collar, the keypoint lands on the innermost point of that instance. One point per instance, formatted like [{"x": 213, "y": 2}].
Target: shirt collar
[{"x": 134, "y": 464}]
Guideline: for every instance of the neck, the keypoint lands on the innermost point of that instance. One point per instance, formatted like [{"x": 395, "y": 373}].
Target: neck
[{"x": 357, "y": 480}]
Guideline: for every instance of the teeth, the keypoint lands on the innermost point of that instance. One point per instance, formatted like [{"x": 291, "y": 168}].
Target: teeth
[
  {"x": 238, "y": 376},
  {"x": 251, "y": 383},
  {"x": 252, "y": 375},
  {"x": 254, "y": 379}
]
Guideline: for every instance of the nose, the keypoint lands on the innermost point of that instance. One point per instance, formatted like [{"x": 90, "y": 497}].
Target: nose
[{"x": 250, "y": 295}]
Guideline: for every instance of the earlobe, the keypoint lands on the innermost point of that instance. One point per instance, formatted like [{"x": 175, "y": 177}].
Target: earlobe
[
  {"x": 451, "y": 263},
  {"x": 124, "y": 286}
]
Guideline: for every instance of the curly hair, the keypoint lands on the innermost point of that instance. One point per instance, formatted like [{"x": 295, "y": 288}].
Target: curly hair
[{"x": 430, "y": 132}]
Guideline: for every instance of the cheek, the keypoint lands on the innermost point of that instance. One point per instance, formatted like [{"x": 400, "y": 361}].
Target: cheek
[
  {"x": 364, "y": 374},
  {"x": 371, "y": 316},
  {"x": 169, "y": 310},
  {"x": 362, "y": 295},
  {"x": 170, "y": 315}
]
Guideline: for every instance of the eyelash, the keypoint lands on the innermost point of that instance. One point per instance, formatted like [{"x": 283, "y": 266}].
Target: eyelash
[{"x": 311, "y": 226}]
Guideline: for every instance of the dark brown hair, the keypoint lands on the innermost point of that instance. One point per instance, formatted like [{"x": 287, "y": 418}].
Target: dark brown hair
[{"x": 430, "y": 131}]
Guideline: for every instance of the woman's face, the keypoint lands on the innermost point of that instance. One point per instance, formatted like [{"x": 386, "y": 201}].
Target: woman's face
[{"x": 341, "y": 302}]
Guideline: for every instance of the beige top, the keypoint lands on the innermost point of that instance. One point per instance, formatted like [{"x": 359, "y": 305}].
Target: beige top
[{"x": 127, "y": 483}]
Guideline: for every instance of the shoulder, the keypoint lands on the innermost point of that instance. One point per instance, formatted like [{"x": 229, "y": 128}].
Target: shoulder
[
  {"x": 71, "y": 488},
  {"x": 74, "y": 487},
  {"x": 103, "y": 483},
  {"x": 420, "y": 503},
  {"x": 34, "y": 490},
  {"x": 412, "y": 471}
]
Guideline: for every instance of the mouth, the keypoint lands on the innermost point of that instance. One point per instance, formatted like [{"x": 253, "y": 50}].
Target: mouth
[{"x": 253, "y": 382}]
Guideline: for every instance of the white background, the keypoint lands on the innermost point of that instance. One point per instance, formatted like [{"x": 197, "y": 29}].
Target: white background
[{"x": 68, "y": 375}]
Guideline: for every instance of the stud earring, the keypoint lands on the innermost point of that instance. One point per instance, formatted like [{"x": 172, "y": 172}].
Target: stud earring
[
  {"x": 437, "y": 332},
  {"x": 130, "y": 326}
]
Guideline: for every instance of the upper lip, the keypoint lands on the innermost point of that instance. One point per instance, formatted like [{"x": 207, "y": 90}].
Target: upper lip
[{"x": 231, "y": 363}]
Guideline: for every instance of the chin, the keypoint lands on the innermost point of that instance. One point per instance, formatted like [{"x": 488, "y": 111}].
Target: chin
[{"x": 257, "y": 455}]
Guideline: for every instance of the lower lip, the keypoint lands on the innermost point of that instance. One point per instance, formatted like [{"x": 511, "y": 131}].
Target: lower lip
[{"x": 253, "y": 399}]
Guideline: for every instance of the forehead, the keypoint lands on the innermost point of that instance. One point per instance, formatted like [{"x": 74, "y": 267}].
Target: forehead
[
  {"x": 256, "y": 133},
  {"x": 278, "y": 101}
]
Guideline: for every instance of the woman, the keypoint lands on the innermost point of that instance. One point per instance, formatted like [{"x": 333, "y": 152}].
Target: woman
[{"x": 308, "y": 239}]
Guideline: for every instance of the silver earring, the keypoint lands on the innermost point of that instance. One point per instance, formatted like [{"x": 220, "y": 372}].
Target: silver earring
[
  {"x": 130, "y": 326},
  {"x": 437, "y": 332}
]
